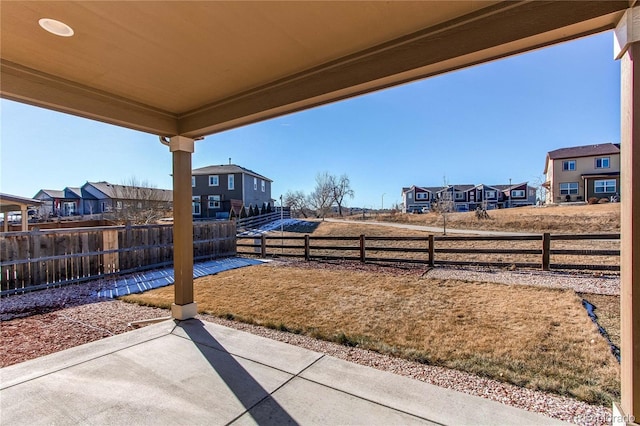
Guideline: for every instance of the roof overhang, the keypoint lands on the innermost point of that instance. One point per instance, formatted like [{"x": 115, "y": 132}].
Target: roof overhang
[
  {"x": 197, "y": 68},
  {"x": 14, "y": 203}
]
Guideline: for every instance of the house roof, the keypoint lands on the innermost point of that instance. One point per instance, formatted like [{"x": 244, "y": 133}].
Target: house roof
[
  {"x": 461, "y": 188},
  {"x": 76, "y": 192},
  {"x": 507, "y": 187},
  {"x": 226, "y": 169},
  {"x": 584, "y": 151},
  {"x": 129, "y": 192},
  {"x": 259, "y": 60},
  {"x": 53, "y": 193}
]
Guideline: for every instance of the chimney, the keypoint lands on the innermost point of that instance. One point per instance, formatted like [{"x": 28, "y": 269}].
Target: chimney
[{"x": 229, "y": 160}]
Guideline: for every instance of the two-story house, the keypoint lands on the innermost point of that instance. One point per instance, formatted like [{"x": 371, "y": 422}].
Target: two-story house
[
  {"x": 516, "y": 195},
  {"x": 462, "y": 198},
  {"x": 216, "y": 190},
  {"x": 582, "y": 172}
]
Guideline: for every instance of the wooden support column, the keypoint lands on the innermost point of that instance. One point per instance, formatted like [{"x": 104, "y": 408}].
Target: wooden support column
[
  {"x": 184, "y": 306},
  {"x": 627, "y": 50},
  {"x": 24, "y": 215}
]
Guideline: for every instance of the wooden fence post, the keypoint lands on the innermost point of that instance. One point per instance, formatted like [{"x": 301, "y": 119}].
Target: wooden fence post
[
  {"x": 111, "y": 261},
  {"x": 307, "y": 255},
  {"x": 431, "y": 251},
  {"x": 263, "y": 245},
  {"x": 546, "y": 248},
  {"x": 36, "y": 276},
  {"x": 362, "y": 249}
]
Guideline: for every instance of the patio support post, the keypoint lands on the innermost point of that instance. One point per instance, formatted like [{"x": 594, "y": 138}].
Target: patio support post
[
  {"x": 24, "y": 218},
  {"x": 183, "y": 307},
  {"x": 627, "y": 49}
]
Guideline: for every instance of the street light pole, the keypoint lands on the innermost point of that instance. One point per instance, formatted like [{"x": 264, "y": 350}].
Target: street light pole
[{"x": 510, "y": 192}]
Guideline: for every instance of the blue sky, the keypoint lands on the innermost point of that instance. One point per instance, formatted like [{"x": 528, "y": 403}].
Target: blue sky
[{"x": 484, "y": 124}]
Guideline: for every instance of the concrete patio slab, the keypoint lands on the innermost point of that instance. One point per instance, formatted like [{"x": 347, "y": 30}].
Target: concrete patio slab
[
  {"x": 193, "y": 372},
  {"x": 317, "y": 404},
  {"x": 440, "y": 405}
]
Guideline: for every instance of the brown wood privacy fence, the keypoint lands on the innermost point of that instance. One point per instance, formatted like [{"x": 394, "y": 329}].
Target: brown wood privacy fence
[
  {"x": 545, "y": 251},
  {"x": 47, "y": 258}
]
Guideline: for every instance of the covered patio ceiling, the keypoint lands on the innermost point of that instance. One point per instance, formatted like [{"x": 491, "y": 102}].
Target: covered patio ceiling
[
  {"x": 194, "y": 68},
  {"x": 187, "y": 69}
]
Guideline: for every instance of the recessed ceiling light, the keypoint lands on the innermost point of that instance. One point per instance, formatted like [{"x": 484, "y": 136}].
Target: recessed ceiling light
[{"x": 56, "y": 27}]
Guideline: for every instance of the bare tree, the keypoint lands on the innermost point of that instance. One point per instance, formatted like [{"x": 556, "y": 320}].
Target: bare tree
[
  {"x": 541, "y": 191},
  {"x": 445, "y": 204},
  {"x": 321, "y": 199},
  {"x": 140, "y": 202},
  {"x": 297, "y": 202},
  {"x": 341, "y": 189}
]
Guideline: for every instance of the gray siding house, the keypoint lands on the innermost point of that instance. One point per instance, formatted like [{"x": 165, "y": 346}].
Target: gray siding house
[
  {"x": 216, "y": 190},
  {"x": 416, "y": 199}
]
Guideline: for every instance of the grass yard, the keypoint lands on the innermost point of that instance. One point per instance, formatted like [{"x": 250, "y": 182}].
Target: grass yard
[
  {"x": 532, "y": 337},
  {"x": 571, "y": 219}
]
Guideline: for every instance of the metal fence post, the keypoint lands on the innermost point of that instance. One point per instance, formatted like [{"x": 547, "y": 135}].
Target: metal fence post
[
  {"x": 431, "y": 251},
  {"x": 362, "y": 249},
  {"x": 263, "y": 245},
  {"x": 546, "y": 249}
]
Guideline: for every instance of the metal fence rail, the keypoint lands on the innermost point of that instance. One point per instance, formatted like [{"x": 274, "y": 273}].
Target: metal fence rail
[{"x": 429, "y": 250}]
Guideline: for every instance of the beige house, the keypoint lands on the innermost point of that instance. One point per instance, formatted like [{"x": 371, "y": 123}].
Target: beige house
[{"x": 582, "y": 172}]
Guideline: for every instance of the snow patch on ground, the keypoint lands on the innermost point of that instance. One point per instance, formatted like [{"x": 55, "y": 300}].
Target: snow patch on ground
[{"x": 275, "y": 226}]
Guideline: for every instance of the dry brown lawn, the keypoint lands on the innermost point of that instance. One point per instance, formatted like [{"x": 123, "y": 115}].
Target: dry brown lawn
[
  {"x": 533, "y": 337},
  {"x": 573, "y": 219}
]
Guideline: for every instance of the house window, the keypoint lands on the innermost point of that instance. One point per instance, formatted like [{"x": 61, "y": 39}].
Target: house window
[
  {"x": 193, "y": 181},
  {"x": 569, "y": 165},
  {"x": 409, "y": 196},
  {"x": 214, "y": 201},
  {"x": 255, "y": 184},
  {"x": 518, "y": 193},
  {"x": 569, "y": 188},
  {"x": 263, "y": 186},
  {"x": 459, "y": 195},
  {"x": 490, "y": 194},
  {"x": 602, "y": 186},
  {"x": 213, "y": 180},
  {"x": 422, "y": 196},
  {"x": 602, "y": 163},
  {"x": 119, "y": 205},
  {"x": 195, "y": 206},
  {"x": 231, "y": 184}
]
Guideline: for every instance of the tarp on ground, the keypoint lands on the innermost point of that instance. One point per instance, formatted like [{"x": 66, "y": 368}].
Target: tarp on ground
[{"x": 142, "y": 281}]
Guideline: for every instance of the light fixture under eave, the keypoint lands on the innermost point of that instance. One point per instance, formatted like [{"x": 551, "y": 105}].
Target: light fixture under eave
[{"x": 56, "y": 27}]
